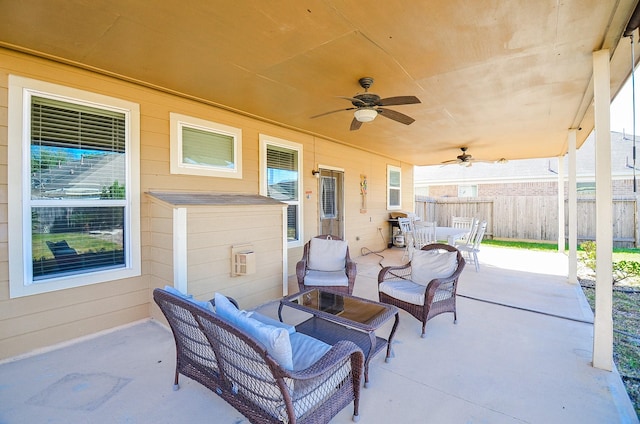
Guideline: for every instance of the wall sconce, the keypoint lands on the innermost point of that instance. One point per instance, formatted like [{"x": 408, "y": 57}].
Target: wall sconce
[{"x": 315, "y": 173}]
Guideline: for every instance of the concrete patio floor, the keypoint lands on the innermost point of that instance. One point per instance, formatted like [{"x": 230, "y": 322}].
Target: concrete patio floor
[{"x": 520, "y": 353}]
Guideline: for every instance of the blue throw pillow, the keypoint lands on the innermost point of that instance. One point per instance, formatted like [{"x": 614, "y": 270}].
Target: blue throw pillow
[
  {"x": 275, "y": 339},
  {"x": 189, "y": 298}
]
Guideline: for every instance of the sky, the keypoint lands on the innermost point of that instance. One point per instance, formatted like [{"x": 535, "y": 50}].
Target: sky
[{"x": 622, "y": 108}]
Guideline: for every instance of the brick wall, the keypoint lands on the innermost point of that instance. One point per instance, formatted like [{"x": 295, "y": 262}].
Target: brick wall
[{"x": 539, "y": 188}]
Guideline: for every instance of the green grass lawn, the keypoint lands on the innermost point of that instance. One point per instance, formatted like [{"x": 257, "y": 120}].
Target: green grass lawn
[
  {"x": 619, "y": 253},
  {"x": 81, "y": 242}
]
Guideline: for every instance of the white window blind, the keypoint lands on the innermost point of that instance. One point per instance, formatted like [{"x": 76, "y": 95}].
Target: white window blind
[
  {"x": 207, "y": 148},
  {"x": 328, "y": 197}
]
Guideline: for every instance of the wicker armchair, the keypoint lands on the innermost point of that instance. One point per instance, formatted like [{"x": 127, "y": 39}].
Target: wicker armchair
[
  {"x": 340, "y": 279},
  {"x": 428, "y": 287},
  {"x": 238, "y": 368}
]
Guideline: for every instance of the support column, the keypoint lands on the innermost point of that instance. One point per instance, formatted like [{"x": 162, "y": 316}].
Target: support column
[
  {"x": 603, "y": 324},
  {"x": 561, "y": 222},
  {"x": 572, "y": 192}
]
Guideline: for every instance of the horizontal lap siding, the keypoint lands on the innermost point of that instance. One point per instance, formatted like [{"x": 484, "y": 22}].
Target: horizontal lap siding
[
  {"x": 211, "y": 234},
  {"x": 37, "y": 321}
]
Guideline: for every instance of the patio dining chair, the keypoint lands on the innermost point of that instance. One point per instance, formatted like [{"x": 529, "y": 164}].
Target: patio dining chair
[
  {"x": 472, "y": 247},
  {"x": 423, "y": 233},
  {"x": 406, "y": 229},
  {"x": 426, "y": 286},
  {"x": 326, "y": 263},
  {"x": 465, "y": 223}
]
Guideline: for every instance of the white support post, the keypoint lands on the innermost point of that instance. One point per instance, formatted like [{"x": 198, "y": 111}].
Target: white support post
[
  {"x": 572, "y": 192},
  {"x": 561, "y": 221},
  {"x": 285, "y": 253},
  {"x": 603, "y": 324},
  {"x": 180, "y": 249}
]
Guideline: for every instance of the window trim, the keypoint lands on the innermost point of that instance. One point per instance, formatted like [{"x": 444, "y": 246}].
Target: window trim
[
  {"x": 265, "y": 141},
  {"x": 179, "y": 121},
  {"x": 390, "y": 169},
  {"x": 19, "y": 218}
]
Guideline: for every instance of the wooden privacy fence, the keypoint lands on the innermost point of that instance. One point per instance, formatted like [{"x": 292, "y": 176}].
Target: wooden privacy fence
[{"x": 532, "y": 217}]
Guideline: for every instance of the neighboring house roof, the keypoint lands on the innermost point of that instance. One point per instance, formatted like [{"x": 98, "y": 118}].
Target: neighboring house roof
[
  {"x": 82, "y": 178},
  {"x": 545, "y": 169}
]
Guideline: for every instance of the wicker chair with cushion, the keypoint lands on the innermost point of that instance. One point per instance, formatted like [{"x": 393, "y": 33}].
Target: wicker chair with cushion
[
  {"x": 426, "y": 286},
  {"x": 326, "y": 263},
  {"x": 263, "y": 368}
]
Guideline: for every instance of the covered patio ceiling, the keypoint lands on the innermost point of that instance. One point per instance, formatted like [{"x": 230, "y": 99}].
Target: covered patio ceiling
[{"x": 504, "y": 78}]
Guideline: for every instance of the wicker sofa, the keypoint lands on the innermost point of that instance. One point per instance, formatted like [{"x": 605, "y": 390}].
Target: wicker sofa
[{"x": 232, "y": 362}]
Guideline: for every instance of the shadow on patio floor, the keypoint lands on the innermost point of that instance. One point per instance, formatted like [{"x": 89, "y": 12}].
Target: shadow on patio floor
[{"x": 520, "y": 352}]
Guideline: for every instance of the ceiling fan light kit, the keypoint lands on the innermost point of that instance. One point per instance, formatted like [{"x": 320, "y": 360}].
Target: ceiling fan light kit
[
  {"x": 365, "y": 114},
  {"x": 368, "y": 105}
]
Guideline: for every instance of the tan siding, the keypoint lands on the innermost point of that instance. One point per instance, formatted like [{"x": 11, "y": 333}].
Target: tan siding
[{"x": 44, "y": 319}]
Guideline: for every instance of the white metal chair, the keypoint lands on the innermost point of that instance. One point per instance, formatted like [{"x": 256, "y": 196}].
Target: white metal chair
[
  {"x": 424, "y": 233},
  {"x": 472, "y": 247},
  {"x": 463, "y": 222},
  {"x": 406, "y": 228},
  {"x": 468, "y": 239}
]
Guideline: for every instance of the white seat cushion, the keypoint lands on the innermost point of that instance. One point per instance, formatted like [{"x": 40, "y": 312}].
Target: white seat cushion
[
  {"x": 405, "y": 290},
  {"x": 327, "y": 255},
  {"x": 326, "y": 278},
  {"x": 429, "y": 264}
]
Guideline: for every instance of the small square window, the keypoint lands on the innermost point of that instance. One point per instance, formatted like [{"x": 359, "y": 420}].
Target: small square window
[
  {"x": 394, "y": 187},
  {"x": 206, "y": 148}
]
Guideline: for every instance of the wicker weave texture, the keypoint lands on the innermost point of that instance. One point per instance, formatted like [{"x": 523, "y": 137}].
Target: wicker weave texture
[
  {"x": 302, "y": 266},
  {"x": 237, "y": 368},
  {"x": 440, "y": 293}
]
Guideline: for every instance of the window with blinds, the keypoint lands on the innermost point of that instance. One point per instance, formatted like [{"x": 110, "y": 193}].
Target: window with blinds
[
  {"x": 328, "y": 197},
  {"x": 73, "y": 179},
  {"x": 200, "y": 147},
  {"x": 394, "y": 187},
  {"x": 78, "y": 188},
  {"x": 282, "y": 162}
]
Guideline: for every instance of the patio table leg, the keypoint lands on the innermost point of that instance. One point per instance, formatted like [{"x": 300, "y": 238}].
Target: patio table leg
[{"x": 393, "y": 332}]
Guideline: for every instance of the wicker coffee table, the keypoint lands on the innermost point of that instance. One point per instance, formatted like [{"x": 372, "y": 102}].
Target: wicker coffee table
[{"x": 337, "y": 316}]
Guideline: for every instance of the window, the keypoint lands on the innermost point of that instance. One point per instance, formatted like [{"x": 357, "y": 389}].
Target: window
[
  {"x": 467, "y": 191},
  {"x": 328, "y": 197},
  {"x": 586, "y": 188},
  {"x": 200, "y": 147},
  {"x": 73, "y": 195},
  {"x": 394, "y": 190},
  {"x": 280, "y": 179}
]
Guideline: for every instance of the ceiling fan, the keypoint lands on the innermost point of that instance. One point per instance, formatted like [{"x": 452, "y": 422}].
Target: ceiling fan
[
  {"x": 466, "y": 159},
  {"x": 368, "y": 105}
]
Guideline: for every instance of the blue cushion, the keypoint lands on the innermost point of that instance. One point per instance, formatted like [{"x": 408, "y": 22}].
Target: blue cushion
[
  {"x": 226, "y": 309},
  {"x": 306, "y": 350},
  {"x": 189, "y": 298},
  {"x": 274, "y": 338},
  {"x": 270, "y": 321}
]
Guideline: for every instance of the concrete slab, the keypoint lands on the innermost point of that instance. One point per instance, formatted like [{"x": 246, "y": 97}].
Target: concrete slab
[{"x": 520, "y": 353}]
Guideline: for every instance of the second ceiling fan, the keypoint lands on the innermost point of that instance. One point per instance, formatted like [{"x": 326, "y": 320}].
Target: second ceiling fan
[
  {"x": 368, "y": 105},
  {"x": 466, "y": 159}
]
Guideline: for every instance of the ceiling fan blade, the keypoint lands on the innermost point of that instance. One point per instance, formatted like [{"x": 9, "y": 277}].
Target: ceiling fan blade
[
  {"x": 355, "y": 125},
  {"x": 359, "y": 102},
  {"x": 330, "y": 112},
  {"x": 396, "y": 116},
  {"x": 399, "y": 100},
  {"x": 448, "y": 162}
]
